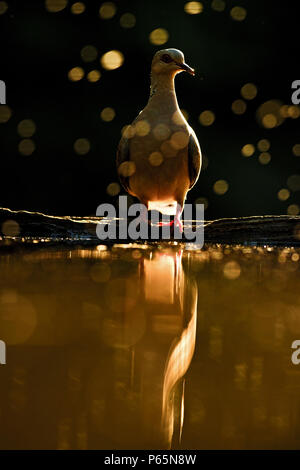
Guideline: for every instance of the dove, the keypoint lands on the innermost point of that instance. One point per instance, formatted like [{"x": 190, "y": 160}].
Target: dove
[{"x": 159, "y": 156}]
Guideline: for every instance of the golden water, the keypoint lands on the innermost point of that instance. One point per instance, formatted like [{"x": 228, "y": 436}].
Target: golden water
[{"x": 141, "y": 347}]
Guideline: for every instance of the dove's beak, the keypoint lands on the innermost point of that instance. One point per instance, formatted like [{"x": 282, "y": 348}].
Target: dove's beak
[{"x": 186, "y": 68}]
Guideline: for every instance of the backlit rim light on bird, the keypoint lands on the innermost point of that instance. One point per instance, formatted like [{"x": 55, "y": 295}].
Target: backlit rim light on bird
[
  {"x": 107, "y": 114},
  {"x": 54, "y": 6},
  {"x": 112, "y": 60},
  {"x": 76, "y": 74},
  {"x": 220, "y": 187},
  {"x": 193, "y": 8},
  {"x": 159, "y": 36},
  {"x": 77, "y": 8},
  {"x": 107, "y": 10}
]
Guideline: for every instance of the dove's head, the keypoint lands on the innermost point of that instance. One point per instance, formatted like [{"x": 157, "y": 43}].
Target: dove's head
[{"x": 170, "y": 62}]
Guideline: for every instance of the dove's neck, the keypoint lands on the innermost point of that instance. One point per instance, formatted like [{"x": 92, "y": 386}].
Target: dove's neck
[{"x": 163, "y": 88}]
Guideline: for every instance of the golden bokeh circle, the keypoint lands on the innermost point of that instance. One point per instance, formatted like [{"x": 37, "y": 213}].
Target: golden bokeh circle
[
  {"x": 93, "y": 76},
  {"x": 76, "y": 74},
  {"x": 155, "y": 159},
  {"x": 3, "y": 7},
  {"x": 202, "y": 200},
  {"x": 161, "y": 131},
  {"x": 293, "y": 209},
  {"x": 107, "y": 10},
  {"x": 238, "y": 13},
  {"x": 283, "y": 194},
  {"x": 10, "y": 228},
  {"x": 269, "y": 114},
  {"x": 5, "y": 113},
  {"x": 220, "y": 187},
  {"x": 293, "y": 182},
  {"x": 89, "y": 53},
  {"x": 113, "y": 189},
  {"x": 238, "y": 107},
  {"x": 26, "y": 147},
  {"x": 263, "y": 145},
  {"x": 248, "y": 150},
  {"x": 264, "y": 158},
  {"x": 193, "y": 8},
  {"x": 249, "y": 91},
  {"x": 207, "y": 118},
  {"x": 159, "y": 36},
  {"x": 127, "y": 20},
  {"x": 142, "y": 128},
  {"x": 232, "y": 270},
  {"x": 107, "y": 114},
  {"x": 77, "y": 8},
  {"x": 82, "y": 146},
  {"x": 179, "y": 140},
  {"x": 26, "y": 128},
  {"x": 296, "y": 150},
  {"x": 112, "y": 60},
  {"x": 54, "y": 6},
  {"x": 218, "y": 5},
  {"x": 127, "y": 169}
]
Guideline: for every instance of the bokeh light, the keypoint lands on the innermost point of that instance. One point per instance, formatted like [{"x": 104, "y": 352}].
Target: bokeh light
[
  {"x": 26, "y": 147},
  {"x": 202, "y": 200},
  {"x": 293, "y": 209},
  {"x": 113, "y": 189},
  {"x": 161, "y": 131},
  {"x": 218, "y": 5},
  {"x": 155, "y": 158},
  {"x": 220, "y": 187},
  {"x": 26, "y": 128},
  {"x": 193, "y": 8},
  {"x": 142, "y": 128},
  {"x": 231, "y": 270},
  {"x": 283, "y": 194},
  {"x": 89, "y": 53},
  {"x": 5, "y": 113},
  {"x": 107, "y": 114},
  {"x": 112, "y": 60},
  {"x": 82, "y": 146},
  {"x": 249, "y": 91},
  {"x": 269, "y": 114},
  {"x": 293, "y": 111},
  {"x": 296, "y": 150},
  {"x": 264, "y": 158},
  {"x": 54, "y": 6},
  {"x": 207, "y": 118},
  {"x": 238, "y": 13},
  {"x": 127, "y": 20},
  {"x": 293, "y": 182},
  {"x": 159, "y": 36},
  {"x": 238, "y": 107},
  {"x": 3, "y": 7},
  {"x": 93, "y": 76},
  {"x": 77, "y": 8},
  {"x": 127, "y": 169},
  {"x": 248, "y": 150},
  {"x": 263, "y": 145},
  {"x": 76, "y": 74},
  {"x": 179, "y": 140},
  {"x": 10, "y": 228},
  {"x": 107, "y": 10}
]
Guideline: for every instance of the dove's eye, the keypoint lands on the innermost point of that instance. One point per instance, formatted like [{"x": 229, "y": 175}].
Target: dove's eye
[{"x": 166, "y": 58}]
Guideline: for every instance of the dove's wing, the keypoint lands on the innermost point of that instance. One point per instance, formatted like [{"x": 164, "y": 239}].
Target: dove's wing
[{"x": 194, "y": 158}]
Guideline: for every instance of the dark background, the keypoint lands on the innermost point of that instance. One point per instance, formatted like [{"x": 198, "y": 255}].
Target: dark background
[{"x": 38, "y": 48}]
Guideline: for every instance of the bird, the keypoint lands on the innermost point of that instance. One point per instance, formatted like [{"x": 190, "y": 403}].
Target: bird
[{"x": 159, "y": 157}]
